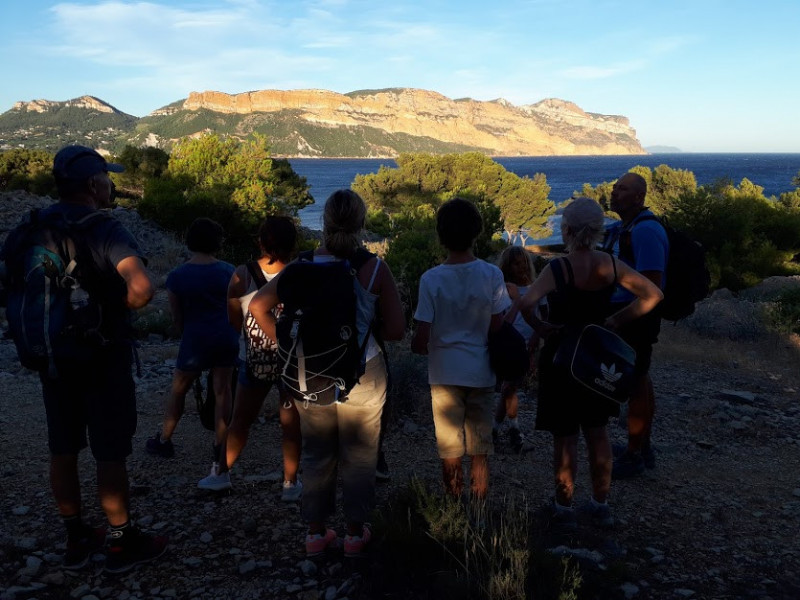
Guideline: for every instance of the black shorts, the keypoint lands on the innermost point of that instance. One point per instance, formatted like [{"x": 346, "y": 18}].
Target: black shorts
[
  {"x": 96, "y": 396},
  {"x": 641, "y": 334},
  {"x": 564, "y": 406}
]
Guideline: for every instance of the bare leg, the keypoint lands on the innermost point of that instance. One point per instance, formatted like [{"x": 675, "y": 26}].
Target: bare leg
[
  {"x": 181, "y": 382},
  {"x": 641, "y": 410},
  {"x": 65, "y": 483},
  {"x": 291, "y": 439},
  {"x": 600, "y": 461},
  {"x": 112, "y": 488},
  {"x": 509, "y": 402},
  {"x": 565, "y": 467},
  {"x": 245, "y": 412},
  {"x": 479, "y": 476},
  {"x": 453, "y": 476},
  {"x": 224, "y": 401}
]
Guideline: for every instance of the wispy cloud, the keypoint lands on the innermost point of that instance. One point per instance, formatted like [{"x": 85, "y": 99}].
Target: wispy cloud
[{"x": 594, "y": 72}]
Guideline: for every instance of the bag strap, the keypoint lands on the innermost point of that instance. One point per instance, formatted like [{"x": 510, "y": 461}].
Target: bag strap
[
  {"x": 558, "y": 273},
  {"x": 256, "y": 273}
]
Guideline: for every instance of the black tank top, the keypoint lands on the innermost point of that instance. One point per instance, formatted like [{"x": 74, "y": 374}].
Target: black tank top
[{"x": 573, "y": 307}]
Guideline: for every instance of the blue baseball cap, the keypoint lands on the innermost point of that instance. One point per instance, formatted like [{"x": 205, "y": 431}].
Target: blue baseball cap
[{"x": 78, "y": 163}]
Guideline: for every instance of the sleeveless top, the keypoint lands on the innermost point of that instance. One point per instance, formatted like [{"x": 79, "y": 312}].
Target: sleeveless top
[
  {"x": 575, "y": 308},
  {"x": 252, "y": 288}
]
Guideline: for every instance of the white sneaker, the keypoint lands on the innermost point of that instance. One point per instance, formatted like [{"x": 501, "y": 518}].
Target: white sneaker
[
  {"x": 215, "y": 481},
  {"x": 292, "y": 492}
]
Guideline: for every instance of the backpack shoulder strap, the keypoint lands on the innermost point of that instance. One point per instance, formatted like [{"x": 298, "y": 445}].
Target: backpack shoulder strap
[
  {"x": 255, "y": 272},
  {"x": 642, "y": 219}
]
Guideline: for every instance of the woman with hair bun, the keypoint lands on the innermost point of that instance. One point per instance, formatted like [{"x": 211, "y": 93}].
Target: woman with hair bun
[
  {"x": 343, "y": 436},
  {"x": 565, "y": 407}
]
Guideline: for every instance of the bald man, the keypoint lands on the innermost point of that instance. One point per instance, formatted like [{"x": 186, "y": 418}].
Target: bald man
[{"x": 643, "y": 245}]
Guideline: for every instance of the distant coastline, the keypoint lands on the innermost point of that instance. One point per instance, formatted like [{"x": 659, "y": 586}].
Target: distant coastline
[{"x": 662, "y": 150}]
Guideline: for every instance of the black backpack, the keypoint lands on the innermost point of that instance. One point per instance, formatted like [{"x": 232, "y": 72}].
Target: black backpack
[
  {"x": 687, "y": 278},
  {"x": 51, "y": 309},
  {"x": 320, "y": 356}
]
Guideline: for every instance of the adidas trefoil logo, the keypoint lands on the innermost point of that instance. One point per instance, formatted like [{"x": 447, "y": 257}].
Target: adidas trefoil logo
[{"x": 610, "y": 373}]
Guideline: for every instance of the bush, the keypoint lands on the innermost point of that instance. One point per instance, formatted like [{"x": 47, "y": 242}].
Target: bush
[
  {"x": 29, "y": 170},
  {"x": 234, "y": 183},
  {"x": 746, "y": 236}
]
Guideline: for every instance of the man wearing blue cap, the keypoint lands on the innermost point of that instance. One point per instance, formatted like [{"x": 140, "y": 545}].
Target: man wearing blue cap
[{"x": 97, "y": 395}]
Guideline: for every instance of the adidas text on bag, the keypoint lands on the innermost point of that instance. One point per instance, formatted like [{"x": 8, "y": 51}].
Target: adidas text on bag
[
  {"x": 318, "y": 339},
  {"x": 50, "y": 313},
  {"x": 600, "y": 360},
  {"x": 687, "y": 278}
]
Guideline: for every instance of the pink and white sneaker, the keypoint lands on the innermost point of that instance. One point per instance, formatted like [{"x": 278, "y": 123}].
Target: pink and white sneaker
[
  {"x": 317, "y": 544},
  {"x": 354, "y": 544}
]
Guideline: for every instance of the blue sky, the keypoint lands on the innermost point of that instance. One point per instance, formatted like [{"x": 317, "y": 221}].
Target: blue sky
[{"x": 702, "y": 75}]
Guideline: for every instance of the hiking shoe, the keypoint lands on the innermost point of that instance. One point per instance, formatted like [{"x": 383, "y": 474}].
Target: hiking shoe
[
  {"x": 518, "y": 442},
  {"x": 215, "y": 481},
  {"x": 382, "y": 469},
  {"x": 137, "y": 548},
  {"x": 600, "y": 514},
  {"x": 648, "y": 454},
  {"x": 649, "y": 457},
  {"x": 80, "y": 551},
  {"x": 563, "y": 517},
  {"x": 155, "y": 446},
  {"x": 354, "y": 544},
  {"x": 628, "y": 465},
  {"x": 292, "y": 491},
  {"x": 317, "y": 544}
]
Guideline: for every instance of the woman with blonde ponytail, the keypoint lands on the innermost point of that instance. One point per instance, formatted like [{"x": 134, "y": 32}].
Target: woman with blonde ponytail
[{"x": 344, "y": 435}]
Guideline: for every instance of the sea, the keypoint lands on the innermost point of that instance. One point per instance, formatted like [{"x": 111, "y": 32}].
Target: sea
[{"x": 567, "y": 174}]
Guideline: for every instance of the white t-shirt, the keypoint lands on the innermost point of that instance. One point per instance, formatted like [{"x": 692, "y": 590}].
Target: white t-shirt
[
  {"x": 520, "y": 324},
  {"x": 459, "y": 301}
]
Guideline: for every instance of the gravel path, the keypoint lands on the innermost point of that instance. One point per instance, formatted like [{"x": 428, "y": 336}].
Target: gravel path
[{"x": 719, "y": 517}]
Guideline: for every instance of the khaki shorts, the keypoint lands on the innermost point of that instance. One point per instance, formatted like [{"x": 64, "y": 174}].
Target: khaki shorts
[{"x": 463, "y": 417}]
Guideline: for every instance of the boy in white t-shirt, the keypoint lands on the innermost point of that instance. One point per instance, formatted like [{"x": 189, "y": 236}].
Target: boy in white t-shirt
[{"x": 459, "y": 302}]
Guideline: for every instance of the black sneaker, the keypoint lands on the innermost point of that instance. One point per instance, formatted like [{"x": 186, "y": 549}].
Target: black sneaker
[
  {"x": 80, "y": 551},
  {"x": 382, "y": 469},
  {"x": 649, "y": 457},
  {"x": 648, "y": 454},
  {"x": 628, "y": 465},
  {"x": 137, "y": 548},
  {"x": 155, "y": 446}
]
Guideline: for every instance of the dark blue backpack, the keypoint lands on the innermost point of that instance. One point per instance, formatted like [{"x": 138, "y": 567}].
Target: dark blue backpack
[{"x": 49, "y": 310}]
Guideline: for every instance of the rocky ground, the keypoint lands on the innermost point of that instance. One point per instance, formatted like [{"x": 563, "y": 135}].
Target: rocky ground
[{"x": 718, "y": 517}]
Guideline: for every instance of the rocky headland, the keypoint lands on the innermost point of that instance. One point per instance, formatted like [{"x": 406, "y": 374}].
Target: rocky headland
[{"x": 325, "y": 124}]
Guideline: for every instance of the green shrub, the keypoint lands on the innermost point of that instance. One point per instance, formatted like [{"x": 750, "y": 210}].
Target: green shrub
[{"x": 234, "y": 183}]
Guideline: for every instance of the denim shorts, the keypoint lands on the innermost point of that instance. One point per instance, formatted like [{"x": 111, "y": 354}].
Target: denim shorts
[
  {"x": 96, "y": 396},
  {"x": 199, "y": 353}
]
